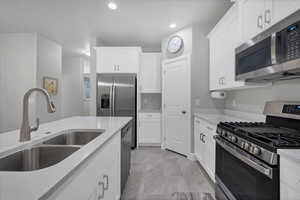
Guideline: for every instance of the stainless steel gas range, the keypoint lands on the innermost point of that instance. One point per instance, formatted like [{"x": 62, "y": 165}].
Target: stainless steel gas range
[{"x": 247, "y": 163}]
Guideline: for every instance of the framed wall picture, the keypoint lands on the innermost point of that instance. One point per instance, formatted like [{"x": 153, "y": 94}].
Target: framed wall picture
[{"x": 51, "y": 85}]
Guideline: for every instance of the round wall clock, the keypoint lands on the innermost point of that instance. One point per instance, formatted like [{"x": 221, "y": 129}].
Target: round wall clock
[{"x": 175, "y": 44}]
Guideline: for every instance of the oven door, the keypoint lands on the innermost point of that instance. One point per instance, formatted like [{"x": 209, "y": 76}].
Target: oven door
[
  {"x": 242, "y": 177},
  {"x": 254, "y": 61}
]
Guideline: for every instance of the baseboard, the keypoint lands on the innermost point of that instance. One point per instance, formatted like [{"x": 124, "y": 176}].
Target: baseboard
[{"x": 192, "y": 157}]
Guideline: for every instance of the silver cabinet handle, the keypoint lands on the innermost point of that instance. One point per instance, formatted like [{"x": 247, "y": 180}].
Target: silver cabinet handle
[
  {"x": 203, "y": 138},
  {"x": 106, "y": 185},
  {"x": 260, "y": 22},
  {"x": 118, "y": 67},
  {"x": 101, "y": 195},
  {"x": 268, "y": 16}
]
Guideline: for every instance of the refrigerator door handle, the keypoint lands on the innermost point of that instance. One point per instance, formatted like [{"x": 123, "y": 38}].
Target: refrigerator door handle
[{"x": 113, "y": 99}]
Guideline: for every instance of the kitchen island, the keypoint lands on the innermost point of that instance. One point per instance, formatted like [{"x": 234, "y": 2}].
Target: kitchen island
[{"x": 91, "y": 172}]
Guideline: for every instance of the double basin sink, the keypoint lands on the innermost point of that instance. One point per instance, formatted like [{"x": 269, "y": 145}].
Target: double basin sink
[{"x": 48, "y": 153}]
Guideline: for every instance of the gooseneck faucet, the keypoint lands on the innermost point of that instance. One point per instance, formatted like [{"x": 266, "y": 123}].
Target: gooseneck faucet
[{"x": 26, "y": 129}]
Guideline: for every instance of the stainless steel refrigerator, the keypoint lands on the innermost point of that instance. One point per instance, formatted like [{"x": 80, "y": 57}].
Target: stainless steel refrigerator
[{"x": 116, "y": 96}]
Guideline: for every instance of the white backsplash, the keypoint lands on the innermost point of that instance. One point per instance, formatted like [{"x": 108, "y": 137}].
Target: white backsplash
[
  {"x": 253, "y": 100},
  {"x": 151, "y": 101}
]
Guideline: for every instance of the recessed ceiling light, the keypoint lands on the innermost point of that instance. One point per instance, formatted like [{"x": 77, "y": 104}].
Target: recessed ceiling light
[
  {"x": 173, "y": 25},
  {"x": 112, "y": 5}
]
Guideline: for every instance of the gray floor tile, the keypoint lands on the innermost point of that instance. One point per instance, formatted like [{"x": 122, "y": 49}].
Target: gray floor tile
[{"x": 157, "y": 174}]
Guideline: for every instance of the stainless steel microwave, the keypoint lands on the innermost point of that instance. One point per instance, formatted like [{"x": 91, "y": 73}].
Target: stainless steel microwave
[{"x": 272, "y": 55}]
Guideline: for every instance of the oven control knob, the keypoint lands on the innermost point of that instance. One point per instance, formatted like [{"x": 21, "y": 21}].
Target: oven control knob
[
  {"x": 243, "y": 144},
  {"x": 224, "y": 133},
  {"x": 246, "y": 146},
  {"x": 256, "y": 151},
  {"x": 233, "y": 139}
]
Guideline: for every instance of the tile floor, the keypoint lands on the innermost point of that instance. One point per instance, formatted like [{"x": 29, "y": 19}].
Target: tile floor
[{"x": 163, "y": 175}]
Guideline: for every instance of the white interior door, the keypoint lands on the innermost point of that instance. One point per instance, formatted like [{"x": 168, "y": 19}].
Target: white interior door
[{"x": 176, "y": 101}]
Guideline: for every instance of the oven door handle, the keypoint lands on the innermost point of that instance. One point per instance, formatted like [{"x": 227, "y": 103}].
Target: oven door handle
[{"x": 247, "y": 159}]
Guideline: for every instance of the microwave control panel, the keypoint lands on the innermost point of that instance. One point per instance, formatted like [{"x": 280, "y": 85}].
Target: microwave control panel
[
  {"x": 291, "y": 109},
  {"x": 290, "y": 42}
]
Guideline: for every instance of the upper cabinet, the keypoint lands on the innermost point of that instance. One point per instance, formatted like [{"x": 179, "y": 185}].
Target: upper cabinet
[
  {"x": 255, "y": 17},
  {"x": 150, "y": 73},
  {"x": 258, "y": 15},
  {"x": 283, "y": 8},
  {"x": 117, "y": 59},
  {"x": 243, "y": 21},
  {"x": 223, "y": 39}
]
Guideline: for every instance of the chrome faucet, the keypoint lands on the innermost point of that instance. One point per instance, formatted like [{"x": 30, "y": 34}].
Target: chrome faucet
[{"x": 26, "y": 129}]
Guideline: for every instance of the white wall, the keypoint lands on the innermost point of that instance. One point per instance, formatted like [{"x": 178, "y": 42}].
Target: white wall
[
  {"x": 196, "y": 43},
  {"x": 17, "y": 75},
  {"x": 72, "y": 104},
  {"x": 253, "y": 100},
  {"x": 49, "y": 64},
  {"x": 24, "y": 60}
]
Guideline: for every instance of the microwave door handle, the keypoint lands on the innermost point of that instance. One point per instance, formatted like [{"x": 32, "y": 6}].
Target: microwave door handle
[
  {"x": 259, "y": 167},
  {"x": 273, "y": 49}
]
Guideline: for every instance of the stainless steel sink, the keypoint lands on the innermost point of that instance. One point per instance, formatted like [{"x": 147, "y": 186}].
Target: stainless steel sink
[
  {"x": 74, "y": 138},
  {"x": 38, "y": 157}
]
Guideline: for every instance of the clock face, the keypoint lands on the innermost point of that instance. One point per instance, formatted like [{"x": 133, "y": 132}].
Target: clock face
[{"x": 175, "y": 44}]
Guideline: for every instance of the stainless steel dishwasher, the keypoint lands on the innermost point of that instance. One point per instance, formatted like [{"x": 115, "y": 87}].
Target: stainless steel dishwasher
[{"x": 126, "y": 134}]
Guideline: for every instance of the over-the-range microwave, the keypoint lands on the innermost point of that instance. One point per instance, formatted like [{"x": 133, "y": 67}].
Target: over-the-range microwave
[{"x": 272, "y": 55}]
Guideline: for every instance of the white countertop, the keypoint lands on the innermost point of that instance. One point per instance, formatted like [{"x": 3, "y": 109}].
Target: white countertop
[
  {"x": 293, "y": 154},
  {"x": 228, "y": 116},
  {"x": 33, "y": 185}
]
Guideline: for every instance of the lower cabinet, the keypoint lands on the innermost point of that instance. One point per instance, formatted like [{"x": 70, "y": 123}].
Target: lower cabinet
[
  {"x": 205, "y": 146},
  {"x": 149, "y": 129},
  {"x": 96, "y": 179}
]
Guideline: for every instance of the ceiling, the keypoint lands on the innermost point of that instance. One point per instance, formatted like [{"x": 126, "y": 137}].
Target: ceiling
[{"x": 79, "y": 24}]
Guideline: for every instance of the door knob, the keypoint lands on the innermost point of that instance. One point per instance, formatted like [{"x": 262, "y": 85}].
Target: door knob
[{"x": 183, "y": 112}]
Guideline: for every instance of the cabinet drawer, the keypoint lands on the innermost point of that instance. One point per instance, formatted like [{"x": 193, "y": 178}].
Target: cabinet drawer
[{"x": 156, "y": 116}]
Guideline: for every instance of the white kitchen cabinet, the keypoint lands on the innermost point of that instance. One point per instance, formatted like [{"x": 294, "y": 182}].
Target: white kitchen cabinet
[
  {"x": 150, "y": 73},
  {"x": 205, "y": 145},
  {"x": 117, "y": 59},
  {"x": 258, "y": 15},
  {"x": 252, "y": 14},
  {"x": 98, "y": 178},
  {"x": 283, "y": 8},
  {"x": 224, "y": 39},
  {"x": 149, "y": 129}
]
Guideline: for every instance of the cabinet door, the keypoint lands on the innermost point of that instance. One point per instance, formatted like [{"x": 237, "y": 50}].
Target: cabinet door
[
  {"x": 150, "y": 131},
  {"x": 283, "y": 8},
  {"x": 197, "y": 139},
  {"x": 252, "y": 13},
  {"x": 216, "y": 56},
  {"x": 232, "y": 38},
  {"x": 202, "y": 149},
  {"x": 150, "y": 72},
  {"x": 117, "y": 60}
]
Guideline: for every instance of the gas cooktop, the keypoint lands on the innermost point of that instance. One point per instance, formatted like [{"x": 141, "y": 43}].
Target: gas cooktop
[{"x": 268, "y": 134}]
